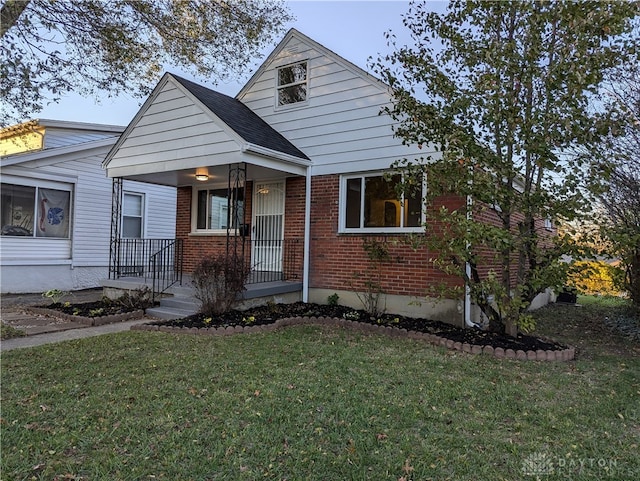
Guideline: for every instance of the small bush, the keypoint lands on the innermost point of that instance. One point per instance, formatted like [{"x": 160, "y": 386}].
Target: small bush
[
  {"x": 135, "y": 299},
  {"x": 218, "y": 280},
  {"x": 9, "y": 332},
  {"x": 55, "y": 295},
  {"x": 332, "y": 300}
]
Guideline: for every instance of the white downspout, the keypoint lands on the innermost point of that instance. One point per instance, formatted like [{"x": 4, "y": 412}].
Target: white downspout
[
  {"x": 307, "y": 235},
  {"x": 467, "y": 290}
]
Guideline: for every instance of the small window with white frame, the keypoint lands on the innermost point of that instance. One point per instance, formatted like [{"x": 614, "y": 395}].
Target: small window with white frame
[
  {"x": 370, "y": 203},
  {"x": 292, "y": 83},
  {"x": 132, "y": 215}
]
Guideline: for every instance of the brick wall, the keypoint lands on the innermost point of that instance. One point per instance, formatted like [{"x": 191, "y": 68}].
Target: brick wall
[
  {"x": 198, "y": 246},
  {"x": 336, "y": 259}
]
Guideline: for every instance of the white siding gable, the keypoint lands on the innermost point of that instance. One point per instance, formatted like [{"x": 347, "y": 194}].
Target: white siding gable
[
  {"x": 172, "y": 132},
  {"x": 339, "y": 126}
]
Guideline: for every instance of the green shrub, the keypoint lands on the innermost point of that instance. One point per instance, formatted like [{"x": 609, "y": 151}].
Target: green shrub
[{"x": 332, "y": 300}]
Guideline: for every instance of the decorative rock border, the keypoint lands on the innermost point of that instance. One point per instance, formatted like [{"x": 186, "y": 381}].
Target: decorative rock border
[
  {"x": 88, "y": 321},
  {"x": 498, "y": 352}
]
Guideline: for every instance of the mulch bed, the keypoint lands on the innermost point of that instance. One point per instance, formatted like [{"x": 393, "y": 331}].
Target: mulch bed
[
  {"x": 521, "y": 347},
  {"x": 94, "y": 313}
]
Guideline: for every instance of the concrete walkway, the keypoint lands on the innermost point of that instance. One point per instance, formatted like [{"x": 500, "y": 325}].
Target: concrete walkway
[
  {"x": 41, "y": 329},
  {"x": 67, "y": 335}
]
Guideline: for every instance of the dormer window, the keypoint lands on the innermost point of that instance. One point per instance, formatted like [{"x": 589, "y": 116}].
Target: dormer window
[{"x": 292, "y": 84}]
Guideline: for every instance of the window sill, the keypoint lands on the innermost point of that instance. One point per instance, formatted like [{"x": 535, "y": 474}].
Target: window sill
[
  {"x": 291, "y": 106},
  {"x": 414, "y": 230},
  {"x": 213, "y": 234}
]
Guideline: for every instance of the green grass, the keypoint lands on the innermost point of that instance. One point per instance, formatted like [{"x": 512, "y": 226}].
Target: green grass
[
  {"x": 603, "y": 301},
  {"x": 9, "y": 332},
  {"x": 313, "y": 403}
]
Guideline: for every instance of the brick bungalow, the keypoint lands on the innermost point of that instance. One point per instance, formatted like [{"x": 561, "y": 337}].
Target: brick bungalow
[{"x": 289, "y": 173}]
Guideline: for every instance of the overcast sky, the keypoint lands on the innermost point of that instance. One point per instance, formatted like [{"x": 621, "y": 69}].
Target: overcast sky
[{"x": 352, "y": 29}]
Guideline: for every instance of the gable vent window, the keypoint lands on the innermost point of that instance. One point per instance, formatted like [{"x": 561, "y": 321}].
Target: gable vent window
[{"x": 292, "y": 84}]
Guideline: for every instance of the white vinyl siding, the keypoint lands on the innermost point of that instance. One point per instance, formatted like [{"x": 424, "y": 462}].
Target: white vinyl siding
[
  {"x": 176, "y": 132},
  {"x": 54, "y": 138},
  {"x": 91, "y": 223}
]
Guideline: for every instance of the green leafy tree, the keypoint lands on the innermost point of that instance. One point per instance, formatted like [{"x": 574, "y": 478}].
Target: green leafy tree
[
  {"x": 503, "y": 89},
  {"x": 104, "y": 47}
]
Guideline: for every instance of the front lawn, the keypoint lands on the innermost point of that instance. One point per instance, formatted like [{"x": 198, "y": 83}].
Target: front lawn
[{"x": 317, "y": 403}]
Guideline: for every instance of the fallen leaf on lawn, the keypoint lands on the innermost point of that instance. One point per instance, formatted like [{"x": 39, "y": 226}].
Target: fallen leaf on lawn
[
  {"x": 407, "y": 468},
  {"x": 381, "y": 436}
]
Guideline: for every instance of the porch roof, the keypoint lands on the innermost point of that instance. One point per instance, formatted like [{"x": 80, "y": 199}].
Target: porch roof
[
  {"x": 184, "y": 126},
  {"x": 244, "y": 121}
]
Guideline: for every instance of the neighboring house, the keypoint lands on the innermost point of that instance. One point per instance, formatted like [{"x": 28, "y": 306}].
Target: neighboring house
[
  {"x": 291, "y": 170},
  {"x": 56, "y": 206}
]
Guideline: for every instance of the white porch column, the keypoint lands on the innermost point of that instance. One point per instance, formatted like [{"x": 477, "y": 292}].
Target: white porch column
[{"x": 307, "y": 237}]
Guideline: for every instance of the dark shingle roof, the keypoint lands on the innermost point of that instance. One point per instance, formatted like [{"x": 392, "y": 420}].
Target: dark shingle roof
[{"x": 246, "y": 123}]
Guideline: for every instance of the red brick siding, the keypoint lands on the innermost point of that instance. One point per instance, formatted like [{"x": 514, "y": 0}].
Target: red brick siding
[
  {"x": 294, "y": 227},
  {"x": 197, "y": 247},
  {"x": 335, "y": 259}
]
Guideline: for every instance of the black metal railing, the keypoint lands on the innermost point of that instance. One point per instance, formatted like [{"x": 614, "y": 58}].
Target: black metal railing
[
  {"x": 166, "y": 267},
  {"x": 161, "y": 261},
  {"x": 276, "y": 260},
  {"x": 158, "y": 260}
]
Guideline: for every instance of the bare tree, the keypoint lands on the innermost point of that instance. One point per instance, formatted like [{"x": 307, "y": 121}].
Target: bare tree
[{"x": 622, "y": 198}]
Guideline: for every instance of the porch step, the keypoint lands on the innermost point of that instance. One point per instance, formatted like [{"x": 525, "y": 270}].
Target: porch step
[{"x": 175, "y": 307}]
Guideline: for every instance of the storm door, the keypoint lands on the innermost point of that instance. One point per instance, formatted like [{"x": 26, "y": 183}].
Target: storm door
[{"x": 268, "y": 229}]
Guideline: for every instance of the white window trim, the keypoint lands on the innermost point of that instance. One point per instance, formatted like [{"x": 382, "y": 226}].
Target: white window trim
[
  {"x": 300, "y": 82},
  {"x": 342, "y": 203},
  {"x": 143, "y": 212},
  {"x": 38, "y": 184},
  {"x": 194, "y": 213}
]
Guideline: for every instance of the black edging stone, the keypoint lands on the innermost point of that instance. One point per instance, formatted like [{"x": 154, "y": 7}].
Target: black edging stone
[
  {"x": 88, "y": 321},
  {"x": 498, "y": 352}
]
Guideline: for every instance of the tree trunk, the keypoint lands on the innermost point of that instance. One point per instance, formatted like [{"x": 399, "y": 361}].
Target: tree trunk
[{"x": 10, "y": 13}]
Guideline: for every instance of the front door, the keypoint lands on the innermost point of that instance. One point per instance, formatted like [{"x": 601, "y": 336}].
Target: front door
[{"x": 268, "y": 227}]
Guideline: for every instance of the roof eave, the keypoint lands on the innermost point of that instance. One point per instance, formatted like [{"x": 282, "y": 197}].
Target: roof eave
[{"x": 260, "y": 150}]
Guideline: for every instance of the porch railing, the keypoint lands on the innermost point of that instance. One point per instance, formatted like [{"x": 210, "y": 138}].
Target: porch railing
[
  {"x": 161, "y": 261},
  {"x": 166, "y": 267},
  {"x": 158, "y": 260},
  {"x": 276, "y": 260}
]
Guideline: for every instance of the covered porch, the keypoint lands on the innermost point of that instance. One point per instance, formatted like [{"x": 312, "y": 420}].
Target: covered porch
[{"x": 242, "y": 190}]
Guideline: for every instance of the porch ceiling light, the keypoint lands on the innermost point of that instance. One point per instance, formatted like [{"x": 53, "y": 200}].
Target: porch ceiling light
[{"x": 202, "y": 174}]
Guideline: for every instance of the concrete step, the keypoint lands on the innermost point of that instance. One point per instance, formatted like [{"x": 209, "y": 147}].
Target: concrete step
[
  {"x": 175, "y": 307},
  {"x": 161, "y": 312},
  {"x": 179, "y": 302}
]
